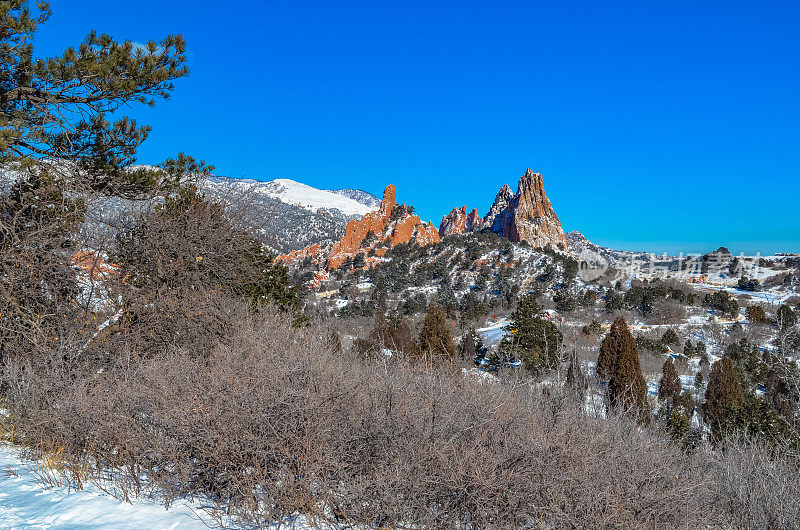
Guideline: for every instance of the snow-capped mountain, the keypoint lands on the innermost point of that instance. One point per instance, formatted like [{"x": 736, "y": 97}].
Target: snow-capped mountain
[
  {"x": 298, "y": 194},
  {"x": 361, "y": 196}
]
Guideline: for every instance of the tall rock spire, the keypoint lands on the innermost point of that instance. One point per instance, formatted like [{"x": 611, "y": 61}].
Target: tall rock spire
[{"x": 524, "y": 216}]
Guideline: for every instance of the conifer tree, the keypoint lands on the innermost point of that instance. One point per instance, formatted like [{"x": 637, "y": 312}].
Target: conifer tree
[
  {"x": 757, "y": 315},
  {"x": 786, "y": 317},
  {"x": 670, "y": 337},
  {"x": 619, "y": 359},
  {"x": 669, "y": 388},
  {"x": 57, "y": 134},
  {"x": 532, "y": 339},
  {"x": 723, "y": 393},
  {"x": 435, "y": 339}
]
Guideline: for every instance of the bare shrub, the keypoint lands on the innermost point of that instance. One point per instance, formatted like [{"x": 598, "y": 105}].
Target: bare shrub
[
  {"x": 668, "y": 311},
  {"x": 274, "y": 422},
  {"x": 759, "y": 487}
]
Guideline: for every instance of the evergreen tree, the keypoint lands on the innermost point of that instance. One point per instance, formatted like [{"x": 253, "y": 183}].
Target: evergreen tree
[
  {"x": 435, "y": 338},
  {"x": 619, "y": 363},
  {"x": 56, "y": 131},
  {"x": 724, "y": 393},
  {"x": 58, "y": 108},
  {"x": 670, "y": 337},
  {"x": 614, "y": 301},
  {"x": 669, "y": 388},
  {"x": 532, "y": 339},
  {"x": 688, "y": 349},
  {"x": 757, "y": 315},
  {"x": 787, "y": 318}
]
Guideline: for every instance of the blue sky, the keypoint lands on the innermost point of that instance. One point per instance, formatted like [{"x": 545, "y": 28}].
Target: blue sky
[{"x": 657, "y": 125}]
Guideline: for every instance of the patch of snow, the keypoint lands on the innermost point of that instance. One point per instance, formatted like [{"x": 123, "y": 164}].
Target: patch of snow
[{"x": 27, "y": 503}]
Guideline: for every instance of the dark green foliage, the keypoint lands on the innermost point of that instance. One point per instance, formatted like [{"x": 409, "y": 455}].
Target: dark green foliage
[
  {"x": 564, "y": 301},
  {"x": 59, "y": 107},
  {"x": 722, "y": 302},
  {"x": 688, "y": 349},
  {"x": 358, "y": 308},
  {"x": 642, "y": 296},
  {"x": 414, "y": 304},
  {"x": 619, "y": 364},
  {"x": 446, "y": 297},
  {"x": 699, "y": 382},
  {"x": 749, "y": 284},
  {"x": 676, "y": 424},
  {"x": 472, "y": 307},
  {"x": 669, "y": 388},
  {"x": 654, "y": 346},
  {"x": 757, "y": 418},
  {"x": 670, "y": 337},
  {"x": 401, "y": 211},
  {"x": 435, "y": 339},
  {"x": 749, "y": 363},
  {"x": 786, "y": 317},
  {"x": 471, "y": 347},
  {"x": 532, "y": 339},
  {"x": 724, "y": 393},
  {"x": 569, "y": 264},
  {"x": 700, "y": 349},
  {"x": 614, "y": 301},
  {"x": 507, "y": 289}
]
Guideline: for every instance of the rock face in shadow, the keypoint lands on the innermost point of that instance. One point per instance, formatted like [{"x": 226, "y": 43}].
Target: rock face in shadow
[
  {"x": 371, "y": 236},
  {"x": 523, "y": 216}
]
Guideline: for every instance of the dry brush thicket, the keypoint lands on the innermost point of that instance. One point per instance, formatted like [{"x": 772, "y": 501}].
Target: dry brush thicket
[{"x": 272, "y": 422}]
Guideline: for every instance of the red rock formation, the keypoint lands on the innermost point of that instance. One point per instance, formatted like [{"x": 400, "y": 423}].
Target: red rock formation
[
  {"x": 524, "y": 216},
  {"x": 372, "y": 234},
  {"x": 314, "y": 251},
  {"x": 530, "y": 216},
  {"x": 458, "y": 221}
]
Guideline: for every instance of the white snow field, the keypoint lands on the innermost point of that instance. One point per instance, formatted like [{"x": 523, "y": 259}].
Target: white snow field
[
  {"x": 26, "y": 503},
  {"x": 296, "y": 193}
]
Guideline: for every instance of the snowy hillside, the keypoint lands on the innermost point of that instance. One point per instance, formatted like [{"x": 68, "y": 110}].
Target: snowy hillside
[
  {"x": 361, "y": 196},
  {"x": 298, "y": 194}
]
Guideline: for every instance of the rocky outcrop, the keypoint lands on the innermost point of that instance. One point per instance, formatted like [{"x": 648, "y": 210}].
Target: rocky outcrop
[
  {"x": 459, "y": 221},
  {"x": 529, "y": 216},
  {"x": 501, "y": 203},
  {"x": 524, "y": 216},
  {"x": 367, "y": 239}
]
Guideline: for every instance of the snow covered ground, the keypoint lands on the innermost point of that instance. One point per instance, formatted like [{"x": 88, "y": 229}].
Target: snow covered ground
[
  {"x": 493, "y": 333},
  {"x": 26, "y": 503}
]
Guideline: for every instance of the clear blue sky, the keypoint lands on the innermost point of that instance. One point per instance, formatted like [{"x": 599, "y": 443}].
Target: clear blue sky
[{"x": 657, "y": 125}]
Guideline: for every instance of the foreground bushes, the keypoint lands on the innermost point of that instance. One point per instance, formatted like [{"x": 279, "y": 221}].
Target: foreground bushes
[{"x": 273, "y": 422}]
